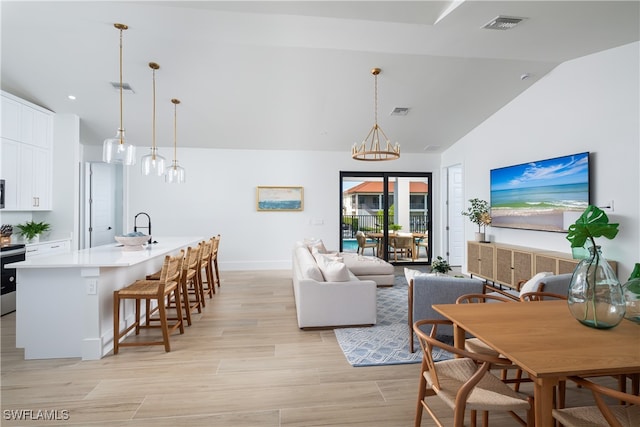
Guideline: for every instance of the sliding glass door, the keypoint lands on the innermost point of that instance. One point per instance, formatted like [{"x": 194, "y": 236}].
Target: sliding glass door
[{"x": 387, "y": 214}]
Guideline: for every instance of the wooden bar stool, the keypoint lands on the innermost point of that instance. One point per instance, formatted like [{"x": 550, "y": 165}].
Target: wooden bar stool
[
  {"x": 189, "y": 285},
  {"x": 205, "y": 268},
  {"x": 148, "y": 290},
  {"x": 214, "y": 259}
]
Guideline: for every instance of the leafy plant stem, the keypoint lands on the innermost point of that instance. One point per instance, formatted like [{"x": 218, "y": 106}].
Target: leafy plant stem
[{"x": 591, "y": 284}]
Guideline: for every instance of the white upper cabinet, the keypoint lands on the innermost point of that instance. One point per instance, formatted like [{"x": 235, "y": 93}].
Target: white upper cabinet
[
  {"x": 25, "y": 151},
  {"x": 25, "y": 122},
  {"x": 10, "y": 126}
]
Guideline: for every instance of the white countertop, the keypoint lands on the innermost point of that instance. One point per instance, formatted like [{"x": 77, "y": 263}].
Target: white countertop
[{"x": 112, "y": 255}]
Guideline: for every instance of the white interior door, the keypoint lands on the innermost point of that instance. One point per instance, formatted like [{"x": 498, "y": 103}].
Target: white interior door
[
  {"x": 101, "y": 204},
  {"x": 455, "y": 206}
]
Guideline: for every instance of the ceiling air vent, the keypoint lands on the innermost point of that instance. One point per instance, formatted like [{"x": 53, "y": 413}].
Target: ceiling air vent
[
  {"x": 126, "y": 87},
  {"x": 502, "y": 23},
  {"x": 400, "y": 111},
  {"x": 432, "y": 148}
]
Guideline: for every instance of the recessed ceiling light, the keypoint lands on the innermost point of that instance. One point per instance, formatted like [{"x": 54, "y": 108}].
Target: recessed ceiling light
[
  {"x": 432, "y": 148},
  {"x": 72, "y": 97}
]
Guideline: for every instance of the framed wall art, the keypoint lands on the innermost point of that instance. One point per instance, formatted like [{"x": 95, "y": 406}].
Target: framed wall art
[{"x": 270, "y": 198}]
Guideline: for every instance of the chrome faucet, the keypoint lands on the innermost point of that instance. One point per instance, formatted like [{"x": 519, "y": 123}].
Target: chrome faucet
[{"x": 148, "y": 227}]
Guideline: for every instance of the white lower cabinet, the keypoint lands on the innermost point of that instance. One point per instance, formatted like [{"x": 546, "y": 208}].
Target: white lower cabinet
[{"x": 48, "y": 248}]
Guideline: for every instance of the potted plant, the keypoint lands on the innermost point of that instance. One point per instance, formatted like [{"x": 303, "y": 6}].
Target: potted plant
[
  {"x": 440, "y": 265},
  {"x": 595, "y": 295},
  {"x": 478, "y": 213},
  {"x": 32, "y": 230}
]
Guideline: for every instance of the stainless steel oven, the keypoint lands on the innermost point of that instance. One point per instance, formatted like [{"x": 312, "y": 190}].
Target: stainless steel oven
[{"x": 9, "y": 254}]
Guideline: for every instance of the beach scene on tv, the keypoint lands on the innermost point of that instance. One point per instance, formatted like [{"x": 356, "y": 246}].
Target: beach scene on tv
[{"x": 544, "y": 195}]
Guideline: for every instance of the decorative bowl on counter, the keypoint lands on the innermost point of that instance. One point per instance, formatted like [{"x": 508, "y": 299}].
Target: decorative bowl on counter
[{"x": 132, "y": 243}]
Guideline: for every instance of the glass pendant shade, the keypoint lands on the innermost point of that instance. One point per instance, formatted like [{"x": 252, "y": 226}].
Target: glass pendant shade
[
  {"x": 152, "y": 163},
  {"x": 117, "y": 150},
  {"x": 175, "y": 174}
]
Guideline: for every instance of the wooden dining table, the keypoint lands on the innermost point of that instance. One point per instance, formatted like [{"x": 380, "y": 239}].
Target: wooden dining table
[{"x": 546, "y": 341}]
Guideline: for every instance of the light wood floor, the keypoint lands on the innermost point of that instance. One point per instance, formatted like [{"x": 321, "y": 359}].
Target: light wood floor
[{"x": 244, "y": 362}]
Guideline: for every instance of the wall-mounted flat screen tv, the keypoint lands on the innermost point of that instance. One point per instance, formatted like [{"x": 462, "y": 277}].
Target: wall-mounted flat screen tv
[{"x": 544, "y": 195}]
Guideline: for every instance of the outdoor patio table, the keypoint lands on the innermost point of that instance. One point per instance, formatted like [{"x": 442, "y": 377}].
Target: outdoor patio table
[
  {"x": 545, "y": 340},
  {"x": 378, "y": 237}
]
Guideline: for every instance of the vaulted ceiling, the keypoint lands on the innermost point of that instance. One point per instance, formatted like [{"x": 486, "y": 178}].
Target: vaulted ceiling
[{"x": 295, "y": 75}]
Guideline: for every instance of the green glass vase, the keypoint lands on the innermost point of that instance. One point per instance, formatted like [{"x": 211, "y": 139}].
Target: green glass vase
[
  {"x": 595, "y": 295},
  {"x": 631, "y": 291}
]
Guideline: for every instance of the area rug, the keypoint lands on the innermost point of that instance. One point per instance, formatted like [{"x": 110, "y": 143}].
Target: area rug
[{"x": 386, "y": 343}]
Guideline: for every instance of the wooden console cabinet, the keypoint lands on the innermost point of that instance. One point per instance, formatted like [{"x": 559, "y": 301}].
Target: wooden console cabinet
[{"x": 508, "y": 264}]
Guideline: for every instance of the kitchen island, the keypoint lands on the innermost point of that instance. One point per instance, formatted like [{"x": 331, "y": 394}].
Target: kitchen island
[{"x": 64, "y": 302}]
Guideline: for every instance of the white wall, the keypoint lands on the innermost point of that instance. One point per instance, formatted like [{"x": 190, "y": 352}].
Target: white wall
[
  {"x": 588, "y": 104},
  {"x": 220, "y": 197}
]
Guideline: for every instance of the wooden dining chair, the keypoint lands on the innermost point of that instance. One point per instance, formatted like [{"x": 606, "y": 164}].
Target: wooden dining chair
[
  {"x": 476, "y": 345},
  {"x": 465, "y": 382},
  {"x": 160, "y": 291},
  {"x": 561, "y": 389},
  {"x": 540, "y": 296},
  {"x": 626, "y": 414}
]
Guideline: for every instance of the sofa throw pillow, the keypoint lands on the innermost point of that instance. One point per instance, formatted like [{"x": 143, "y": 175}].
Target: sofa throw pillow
[
  {"x": 312, "y": 271},
  {"x": 532, "y": 284},
  {"x": 410, "y": 274},
  {"x": 333, "y": 271},
  {"x": 308, "y": 265},
  {"x": 318, "y": 246}
]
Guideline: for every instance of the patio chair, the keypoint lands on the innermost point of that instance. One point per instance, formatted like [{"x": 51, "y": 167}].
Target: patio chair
[
  {"x": 402, "y": 244},
  {"x": 423, "y": 243},
  {"x": 363, "y": 244}
]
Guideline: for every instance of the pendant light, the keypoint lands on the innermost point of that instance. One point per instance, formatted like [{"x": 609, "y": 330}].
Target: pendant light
[
  {"x": 369, "y": 149},
  {"x": 117, "y": 149},
  {"x": 175, "y": 173},
  {"x": 153, "y": 163}
]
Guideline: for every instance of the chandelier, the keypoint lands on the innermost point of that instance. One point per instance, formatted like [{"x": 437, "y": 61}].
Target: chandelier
[
  {"x": 117, "y": 149},
  {"x": 153, "y": 163},
  {"x": 371, "y": 149},
  {"x": 175, "y": 174}
]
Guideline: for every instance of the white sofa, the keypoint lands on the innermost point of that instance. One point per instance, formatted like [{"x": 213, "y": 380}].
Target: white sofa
[
  {"x": 369, "y": 268},
  {"x": 329, "y": 294}
]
